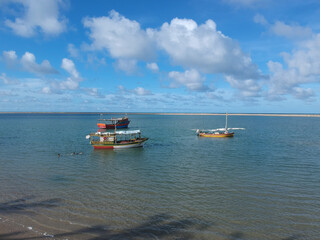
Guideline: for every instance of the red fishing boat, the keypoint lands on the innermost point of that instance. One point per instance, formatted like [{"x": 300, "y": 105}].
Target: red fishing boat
[{"x": 113, "y": 122}]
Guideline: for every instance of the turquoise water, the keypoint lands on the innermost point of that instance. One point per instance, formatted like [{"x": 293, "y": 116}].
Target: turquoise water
[{"x": 262, "y": 184}]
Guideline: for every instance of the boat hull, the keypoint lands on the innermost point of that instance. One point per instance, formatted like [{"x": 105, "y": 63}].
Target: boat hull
[
  {"x": 119, "y": 125},
  {"x": 220, "y": 135},
  {"x": 120, "y": 145},
  {"x": 123, "y": 124}
]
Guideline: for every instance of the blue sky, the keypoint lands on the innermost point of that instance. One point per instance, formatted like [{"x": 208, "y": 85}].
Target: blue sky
[{"x": 160, "y": 56}]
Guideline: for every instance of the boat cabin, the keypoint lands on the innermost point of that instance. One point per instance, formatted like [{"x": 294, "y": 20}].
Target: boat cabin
[
  {"x": 114, "y": 137},
  {"x": 113, "y": 123}
]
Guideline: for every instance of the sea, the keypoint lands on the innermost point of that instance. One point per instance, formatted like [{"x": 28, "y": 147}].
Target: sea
[{"x": 264, "y": 183}]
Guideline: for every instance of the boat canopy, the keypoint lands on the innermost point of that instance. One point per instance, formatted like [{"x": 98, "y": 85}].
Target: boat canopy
[
  {"x": 128, "y": 132},
  {"x": 131, "y": 132}
]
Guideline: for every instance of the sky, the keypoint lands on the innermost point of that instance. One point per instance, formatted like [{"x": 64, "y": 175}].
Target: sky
[{"x": 236, "y": 56}]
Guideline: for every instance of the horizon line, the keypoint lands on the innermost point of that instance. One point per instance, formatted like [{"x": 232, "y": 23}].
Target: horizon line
[{"x": 180, "y": 114}]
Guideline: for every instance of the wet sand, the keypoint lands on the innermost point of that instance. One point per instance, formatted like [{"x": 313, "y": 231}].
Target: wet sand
[{"x": 12, "y": 230}]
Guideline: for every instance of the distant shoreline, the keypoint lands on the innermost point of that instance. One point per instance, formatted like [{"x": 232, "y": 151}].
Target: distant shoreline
[{"x": 177, "y": 114}]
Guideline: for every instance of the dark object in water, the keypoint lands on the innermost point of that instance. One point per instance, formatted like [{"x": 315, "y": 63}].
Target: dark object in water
[{"x": 74, "y": 153}]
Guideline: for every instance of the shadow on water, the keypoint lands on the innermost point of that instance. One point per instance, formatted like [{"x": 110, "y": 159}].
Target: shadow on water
[
  {"x": 22, "y": 205},
  {"x": 294, "y": 237},
  {"x": 161, "y": 226},
  {"x": 13, "y": 235},
  {"x": 156, "y": 227},
  {"x": 241, "y": 236},
  {"x": 236, "y": 236}
]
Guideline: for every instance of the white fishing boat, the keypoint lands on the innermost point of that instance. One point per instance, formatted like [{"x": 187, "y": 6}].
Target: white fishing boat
[{"x": 116, "y": 139}]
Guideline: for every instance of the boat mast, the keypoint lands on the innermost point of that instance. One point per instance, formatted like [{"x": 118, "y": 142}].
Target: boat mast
[
  {"x": 226, "y": 121},
  {"x": 115, "y": 131}
]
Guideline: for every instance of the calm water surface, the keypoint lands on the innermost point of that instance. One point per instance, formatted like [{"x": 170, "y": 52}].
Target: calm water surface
[{"x": 262, "y": 184}]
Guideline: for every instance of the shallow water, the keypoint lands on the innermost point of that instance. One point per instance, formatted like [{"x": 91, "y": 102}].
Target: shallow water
[{"x": 261, "y": 184}]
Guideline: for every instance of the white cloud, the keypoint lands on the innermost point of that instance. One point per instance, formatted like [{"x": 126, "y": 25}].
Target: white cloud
[
  {"x": 10, "y": 58},
  {"x": 300, "y": 68},
  {"x": 290, "y": 31},
  {"x": 122, "y": 88},
  {"x": 96, "y": 61},
  {"x": 243, "y": 2},
  {"x": 38, "y": 15},
  {"x": 129, "y": 66},
  {"x": 37, "y": 85},
  {"x": 191, "y": 79},
  {"x": 141, "y": 91},
  {"x": 258, "y": 18},
  {"x": 28, "y": 61},
  {"x": 303, "y": 67},
  {"x": 31, "y": 84},
  {"x": 72, "y": 82},
  {"x": 121, "y": 37},
  {"x": 279, "y": 28},
  {"x": 303, "y": 93},
  {"x": 248, "y": 3},
  {"x": 69, "y": 84},
  {"x": 94, "y": 92},
  {"x": 69, "y": 66},
  {"x": 282, "y": 80},
  {"x": 203, "y": 48},
  {"x": 73, "y": 51},
  {"x": 138, "y": 91},
  {"x": 46, "y": 90},
  {"x": 246, "y": 87},
  {"x": 307, "y": 59},
  {"x": 7, "y": 80},
  {"x": 153, "y": 67}
]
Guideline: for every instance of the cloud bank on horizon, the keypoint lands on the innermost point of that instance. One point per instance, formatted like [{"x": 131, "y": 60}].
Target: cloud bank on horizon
[{"x": 112, "y": 62}]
